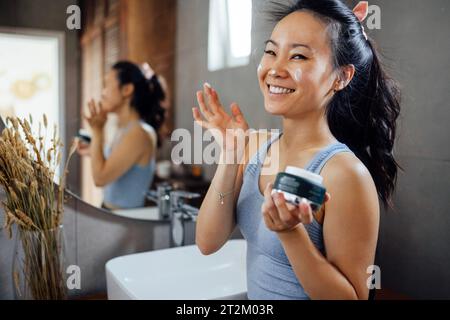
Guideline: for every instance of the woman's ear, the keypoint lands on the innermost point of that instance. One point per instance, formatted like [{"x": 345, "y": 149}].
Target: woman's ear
[
  {"x": 127, "y": 90},
  {"x": 345, "y": 76}
]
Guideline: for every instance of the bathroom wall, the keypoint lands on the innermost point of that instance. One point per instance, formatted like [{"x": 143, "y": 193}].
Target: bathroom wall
[
  {"x": 415, "y": 239},
  {"x": 233, "y": 85},
  {"x": 414, "y": 246},
  {"x": 51, "y": 15}
]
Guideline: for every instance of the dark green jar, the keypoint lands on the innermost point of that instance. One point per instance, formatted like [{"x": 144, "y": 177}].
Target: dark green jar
[{"x": 297, "y": 184}]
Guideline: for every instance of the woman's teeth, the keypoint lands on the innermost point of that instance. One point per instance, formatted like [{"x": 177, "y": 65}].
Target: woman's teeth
[{"x": 279, "y": 90}]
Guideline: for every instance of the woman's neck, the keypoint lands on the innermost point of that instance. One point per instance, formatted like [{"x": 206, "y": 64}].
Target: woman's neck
[
  {"x": 306, "y": 132},
  {"x": 125, "y": 115}
]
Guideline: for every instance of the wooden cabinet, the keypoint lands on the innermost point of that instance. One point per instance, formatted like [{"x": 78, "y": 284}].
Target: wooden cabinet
[{"x": 136, "y": 30}]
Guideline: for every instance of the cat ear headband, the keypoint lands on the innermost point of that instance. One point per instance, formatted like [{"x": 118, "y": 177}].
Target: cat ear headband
[
  {"x": 147, "y": 71},
  {"x": 361, "y": 10}
]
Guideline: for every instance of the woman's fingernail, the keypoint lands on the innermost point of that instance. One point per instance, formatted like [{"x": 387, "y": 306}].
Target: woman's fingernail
[{"x": 207, "y": 85}]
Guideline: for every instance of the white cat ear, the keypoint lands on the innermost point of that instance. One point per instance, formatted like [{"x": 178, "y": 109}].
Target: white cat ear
[
  {"x": 361, "y": 10},
  {"x": 147, "y": 70}
]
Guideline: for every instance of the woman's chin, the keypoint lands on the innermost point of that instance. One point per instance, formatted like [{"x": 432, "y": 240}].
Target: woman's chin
[
  {"x": 108, "y": 109},
  {"x": 274, "y": 110}
]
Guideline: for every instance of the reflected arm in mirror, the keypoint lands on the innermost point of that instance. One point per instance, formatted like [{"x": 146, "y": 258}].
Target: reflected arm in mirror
[{"x": 133, "y": 146}]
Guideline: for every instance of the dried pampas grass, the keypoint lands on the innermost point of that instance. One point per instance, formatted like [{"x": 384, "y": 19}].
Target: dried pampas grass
[{"x": 34, "y": 203}]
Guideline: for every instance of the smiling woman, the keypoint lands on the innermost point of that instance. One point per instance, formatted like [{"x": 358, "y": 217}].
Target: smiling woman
[{"x": 339, "y": 109}]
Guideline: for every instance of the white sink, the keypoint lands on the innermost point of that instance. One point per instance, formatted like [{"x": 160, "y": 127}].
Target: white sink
[
  {"x": 146, "y": 213},
  {"x": 179, "y": 274}
]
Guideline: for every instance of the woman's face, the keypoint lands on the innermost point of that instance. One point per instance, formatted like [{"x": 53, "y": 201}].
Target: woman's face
[
  {"x": 112, "y": 97},
  {"x": 296, "y": 74}
]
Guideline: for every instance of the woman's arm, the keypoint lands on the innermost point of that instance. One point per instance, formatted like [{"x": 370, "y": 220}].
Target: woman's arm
[
  {"x": 126, "y": 154},
  {"x": 350, "y": 234},
  {"x": 123, "y": 156},
  {"x": 216, "y": 219}
]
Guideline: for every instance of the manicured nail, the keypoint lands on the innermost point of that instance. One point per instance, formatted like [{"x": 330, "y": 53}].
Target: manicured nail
[{"x": 208, "y": 85}]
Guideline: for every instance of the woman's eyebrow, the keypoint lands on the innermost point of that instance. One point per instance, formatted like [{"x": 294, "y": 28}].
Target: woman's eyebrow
[
  {"x": 294, "y": 45},
  {"x": 271, "y": 41}
]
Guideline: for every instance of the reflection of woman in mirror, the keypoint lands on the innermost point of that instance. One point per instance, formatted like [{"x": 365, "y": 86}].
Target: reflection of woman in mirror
[
  {"x": 322, "y": 75},
  {"x": 126, "y": 169}
]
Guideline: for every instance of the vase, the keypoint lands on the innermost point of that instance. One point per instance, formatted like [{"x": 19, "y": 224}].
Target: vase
[{"x": 39, "y": 264}]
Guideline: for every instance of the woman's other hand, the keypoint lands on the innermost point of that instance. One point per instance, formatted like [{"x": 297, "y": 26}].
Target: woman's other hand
[
  {"x": 83, "y": 148},
  {"x": 281, "y": 216}
]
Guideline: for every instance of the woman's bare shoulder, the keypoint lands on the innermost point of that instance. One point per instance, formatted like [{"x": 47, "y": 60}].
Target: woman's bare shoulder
[
  {"x": 347, "y": 167},
  {"x": 138, "y": 136},
  {"x": 346, "y": 176}
]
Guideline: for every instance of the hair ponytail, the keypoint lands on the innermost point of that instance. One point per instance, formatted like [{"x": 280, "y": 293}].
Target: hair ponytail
[
  {"x": 147, "y": 96},
  {"x": 369, "y": 128}
]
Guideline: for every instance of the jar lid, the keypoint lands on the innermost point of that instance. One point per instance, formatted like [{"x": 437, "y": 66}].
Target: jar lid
[{"x": 304, "y": 174}]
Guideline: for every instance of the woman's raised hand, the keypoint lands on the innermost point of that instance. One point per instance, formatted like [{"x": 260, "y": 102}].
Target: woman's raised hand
[
  {"x": 228, "y": 130},
  {"x": 97, "y": 116}
]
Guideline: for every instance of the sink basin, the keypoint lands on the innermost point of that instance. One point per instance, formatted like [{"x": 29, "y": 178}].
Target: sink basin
[
  {"x": 147, "y": 213},
  {"x": 179, "y": 274}
]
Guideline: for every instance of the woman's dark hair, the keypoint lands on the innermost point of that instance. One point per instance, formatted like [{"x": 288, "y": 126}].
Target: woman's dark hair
[
  {"x": 147, "y": 95},
  {"x": 364, "y": 114}
]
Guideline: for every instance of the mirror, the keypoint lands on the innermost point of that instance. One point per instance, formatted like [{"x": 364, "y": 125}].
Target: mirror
[{"x": 59, "y": 72}]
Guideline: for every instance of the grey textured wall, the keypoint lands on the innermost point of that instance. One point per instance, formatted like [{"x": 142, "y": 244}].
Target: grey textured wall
[
  {"x": 414, "y": 246},
  {"x": 415, "y": 240}
]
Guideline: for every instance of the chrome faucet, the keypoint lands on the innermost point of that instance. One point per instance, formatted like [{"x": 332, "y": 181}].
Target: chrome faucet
[
  {"x": 180, "y": 212},
  {"x": 171, "y": 205},
  {"x": 161, "y": 196}
]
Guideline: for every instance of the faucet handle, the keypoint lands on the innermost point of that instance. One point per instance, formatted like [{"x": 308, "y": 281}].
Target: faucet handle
[
  {"x": 191, "y": 210},
  {"x": 178, "y": 198},
  {"x": 184, "y": 194},
  {"x": 152, "y": 195}
]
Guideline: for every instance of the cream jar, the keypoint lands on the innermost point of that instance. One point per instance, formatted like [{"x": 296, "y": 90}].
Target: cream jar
[{"x": 297, "y": 184}]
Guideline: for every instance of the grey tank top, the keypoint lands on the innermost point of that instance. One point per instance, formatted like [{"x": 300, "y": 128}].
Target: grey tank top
[
  {"x": 269, "y": 273},
  {"x": 129, "y": 190}
]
